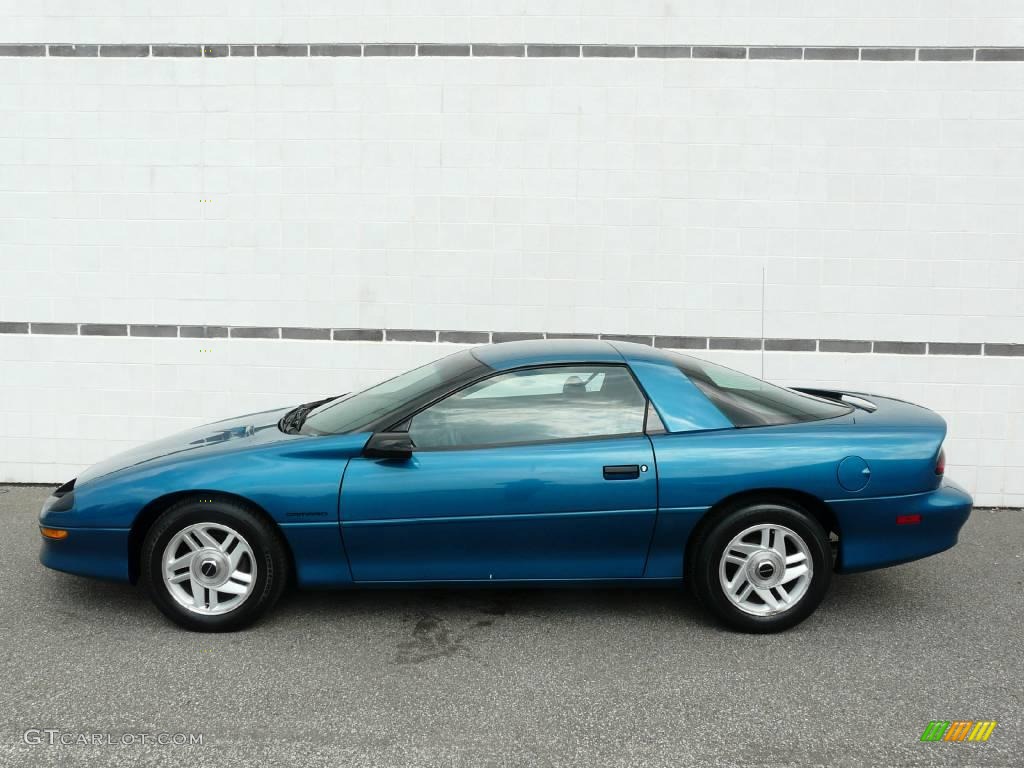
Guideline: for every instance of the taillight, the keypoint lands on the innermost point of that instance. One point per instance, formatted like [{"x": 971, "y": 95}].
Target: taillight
[{"x": 940, "y": 462}]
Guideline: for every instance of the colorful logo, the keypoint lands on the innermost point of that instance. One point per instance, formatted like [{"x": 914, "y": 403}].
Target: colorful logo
[{"x": 959, "y": 730}]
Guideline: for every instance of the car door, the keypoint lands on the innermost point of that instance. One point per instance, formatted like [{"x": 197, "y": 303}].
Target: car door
[{"x": 538, "y": 473}]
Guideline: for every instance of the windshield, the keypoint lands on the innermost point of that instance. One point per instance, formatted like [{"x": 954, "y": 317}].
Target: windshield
[
  {"x": 750, "y": 402},
  {"x": 359, "y": 411}
]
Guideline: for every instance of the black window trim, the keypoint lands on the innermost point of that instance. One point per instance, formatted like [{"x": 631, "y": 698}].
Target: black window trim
[{"x": 396, "y": 426}]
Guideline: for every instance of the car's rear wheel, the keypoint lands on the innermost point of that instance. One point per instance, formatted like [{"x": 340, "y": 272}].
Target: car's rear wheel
[
  {"x": 212, "y": 565},
  {"x": 762, "y": 567}
]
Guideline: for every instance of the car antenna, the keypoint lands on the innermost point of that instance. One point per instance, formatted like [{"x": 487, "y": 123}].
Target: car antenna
[{"x": 764, "y": 279}]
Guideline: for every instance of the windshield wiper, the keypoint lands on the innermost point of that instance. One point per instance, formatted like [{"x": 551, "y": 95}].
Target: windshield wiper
[{"x": 292, "y": 421}]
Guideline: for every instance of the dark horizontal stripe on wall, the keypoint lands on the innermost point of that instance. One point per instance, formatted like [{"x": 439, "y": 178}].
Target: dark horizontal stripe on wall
[
  {"x": 389, "y": 49},
  {"x": 1005, "y": 350},
  {"x": 572, "y": 335},
  {"x": 204, "y": 331},
  {"x": 282, "y": 50},
  {"x": 76, "y": 51},
  {"x": 499, "y": 337},
  {"x": 790, "y": 345},
  {"x": 888, "y": 54},
  {"x": 499, "y": 49},
  {"x": 719, "y": 52},
  {"x": 518, "y": 50},
  {"x": 632, "y": 338},
  {"x": 103, "y": 329},
  {"x": 335, "y": 49},
  {"x": 419, "y": 335},
  {"x": 899, "y": 347},
  {"x": 999, "y": 54},
  {"x": 843, "y": 345},
  {"x": 945, "y": 54},
  {"x": 681, "y": 342},
  {"x": 22, "y": 50},
  {"x": 553, "y": 49},
  {"x": 831, "y": 54},
  {"x": 464, "y": 337},
  {"x": 408, "y": 334},
  {"x": 358, "y": 334},
  {"x": 733, "y": 342},
  {"x": 121, "y": 51},
  {"x": 437, "y": 49},
  {"x": 153, "y": 331},
  {"x": 255, "y": 332},
  {"x": 59, "y": 329},
  {"x": 776, "y": 52},
  {"x": 664, "y": 51},
  {"x": 953, "y": 348},
  {"x": 609, "y": 51},
  {"x": 306, "y": 334},
  {"x": 178, "y": 51}
]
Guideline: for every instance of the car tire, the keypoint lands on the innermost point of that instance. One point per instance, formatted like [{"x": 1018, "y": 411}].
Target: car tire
[
  {"x": 213, "y": 565},
  {"x": 761, "y": 567}
]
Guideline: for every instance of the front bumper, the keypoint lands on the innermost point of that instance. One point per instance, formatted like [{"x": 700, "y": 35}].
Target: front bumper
[
  {"x": 870, "y": 537},
  {"x": 86, "y": 551},
  {"x": 98, "y": 552}
]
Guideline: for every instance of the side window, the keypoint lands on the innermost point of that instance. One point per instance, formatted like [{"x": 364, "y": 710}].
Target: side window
[
  {"x": 654, "y": 424},
  {"x": 535, "y": 405},
  {"x": 542, "y": 382}
]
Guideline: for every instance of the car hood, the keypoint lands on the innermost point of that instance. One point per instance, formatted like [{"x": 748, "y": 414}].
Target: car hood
[{"x": 228, "y": 435}]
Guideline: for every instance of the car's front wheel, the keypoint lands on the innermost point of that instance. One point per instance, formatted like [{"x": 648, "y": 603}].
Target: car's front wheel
[
  {"x": 762, "y": 567},
  {"x": 212, "y": 565}
]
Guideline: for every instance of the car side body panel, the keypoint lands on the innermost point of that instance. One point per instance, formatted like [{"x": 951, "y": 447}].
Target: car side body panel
[
  {"x": 295, "y": 480},
  {"x": 699, "y": 470},
  {"x": 508, "y": 513},
  {"x": 866, "y": 467}
]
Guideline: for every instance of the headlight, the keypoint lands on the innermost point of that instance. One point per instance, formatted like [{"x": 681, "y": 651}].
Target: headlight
[{"x": 65, "y": 496}]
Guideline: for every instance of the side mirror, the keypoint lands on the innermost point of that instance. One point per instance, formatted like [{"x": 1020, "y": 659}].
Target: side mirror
[{"x": 389, "y": 445}]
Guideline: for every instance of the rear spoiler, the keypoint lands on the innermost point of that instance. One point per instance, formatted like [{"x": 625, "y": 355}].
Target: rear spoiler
[{"x": 848, "y": 398}]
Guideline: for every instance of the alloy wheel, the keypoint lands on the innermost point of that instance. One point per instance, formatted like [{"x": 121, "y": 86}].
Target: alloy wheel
[
  {"x": 766, "y": 569},
  {"x": 209, "y": 568}
]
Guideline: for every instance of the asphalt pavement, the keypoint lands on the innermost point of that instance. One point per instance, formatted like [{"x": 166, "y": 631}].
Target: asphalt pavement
[{"x": 549, "y": 677}]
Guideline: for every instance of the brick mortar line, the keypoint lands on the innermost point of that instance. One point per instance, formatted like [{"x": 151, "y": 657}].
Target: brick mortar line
[
  {"x": 936, "y": 53},
  {"x": 431, "y": 336}
]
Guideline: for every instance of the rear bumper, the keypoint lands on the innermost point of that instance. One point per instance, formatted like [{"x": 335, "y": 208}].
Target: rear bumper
[{"x": 870, "y": 537}]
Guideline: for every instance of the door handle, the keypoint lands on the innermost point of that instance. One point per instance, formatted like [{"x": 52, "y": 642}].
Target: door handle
[{"x": 622, "y": 472}]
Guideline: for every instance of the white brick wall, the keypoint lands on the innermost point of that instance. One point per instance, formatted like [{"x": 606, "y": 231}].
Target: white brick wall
[
  {"x": 823, "y": 22},
  {"x": 71, "y": 401},
  {"x": 883, "y": 200}
]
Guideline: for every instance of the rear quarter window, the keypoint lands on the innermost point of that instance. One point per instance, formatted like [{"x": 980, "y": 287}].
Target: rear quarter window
[{"x": 750, "y": 402}]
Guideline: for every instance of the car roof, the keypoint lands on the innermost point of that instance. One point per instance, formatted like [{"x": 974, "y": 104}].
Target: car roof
[{"x": 516, "y": 354}]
